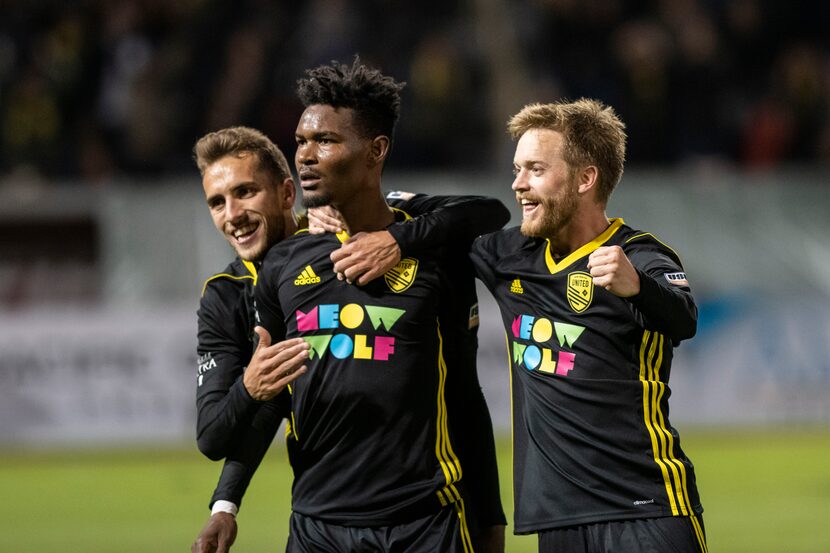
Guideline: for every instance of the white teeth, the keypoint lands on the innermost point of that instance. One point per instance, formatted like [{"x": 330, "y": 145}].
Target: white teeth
[{"x": 244, "y": 230}]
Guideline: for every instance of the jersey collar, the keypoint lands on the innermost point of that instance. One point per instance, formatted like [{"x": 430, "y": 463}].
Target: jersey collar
[
  {"x": 582, "y": 251},
  {"x": 251, "y": 269},
  {"x": 400, "y": 215}
]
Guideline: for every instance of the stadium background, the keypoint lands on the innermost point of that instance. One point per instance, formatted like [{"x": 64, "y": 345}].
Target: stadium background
[{"x": 105, "y": 240}]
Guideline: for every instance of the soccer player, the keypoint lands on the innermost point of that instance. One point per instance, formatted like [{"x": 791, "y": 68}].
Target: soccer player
[
  {"x": 250, "y": 193},
  {"x": 369, "y": 442},
  {"x": 592, "y": 309}
]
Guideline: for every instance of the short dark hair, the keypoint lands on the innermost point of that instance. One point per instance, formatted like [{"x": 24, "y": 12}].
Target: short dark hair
[
  {"x": 374, "y": 97},
  {"x": 235, "y": 141}
]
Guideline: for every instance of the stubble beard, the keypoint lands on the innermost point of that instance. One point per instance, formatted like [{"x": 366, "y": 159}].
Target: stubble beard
[
  {"x": 556, "y": 214},
  {"x": 321, "y": 199},
  {"x": 274, "y": 232}
]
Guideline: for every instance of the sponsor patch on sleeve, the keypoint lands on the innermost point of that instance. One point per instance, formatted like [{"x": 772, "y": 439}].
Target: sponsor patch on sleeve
[
  {"x": 678, "y": 279},
  {"x": 206, "y": 362},
  {"x": 399, "y": 195}
]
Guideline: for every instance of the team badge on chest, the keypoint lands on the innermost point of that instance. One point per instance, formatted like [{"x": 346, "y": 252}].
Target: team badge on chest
[
  {"x": 580, "y": 291},
  {"x": 401, "y": 276}
]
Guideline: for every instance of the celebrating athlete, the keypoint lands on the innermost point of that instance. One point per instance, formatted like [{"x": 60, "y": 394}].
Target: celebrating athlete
[
  {"x": 459, "y": 383},
  {"x": 592, "y": 309}
]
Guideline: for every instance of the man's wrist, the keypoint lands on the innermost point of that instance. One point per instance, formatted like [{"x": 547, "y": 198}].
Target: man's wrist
[{"x": 222, "y": 506}]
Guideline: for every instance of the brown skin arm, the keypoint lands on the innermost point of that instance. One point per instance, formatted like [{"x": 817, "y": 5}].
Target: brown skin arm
[
  {"x": 490, "y": 540},
  {"x": 272, "y": 367},
  {"x": 217, "y": 536},
  {"x": 363, "y": 257}
]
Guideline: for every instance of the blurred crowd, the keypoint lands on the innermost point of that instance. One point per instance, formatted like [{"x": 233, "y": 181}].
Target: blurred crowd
[{"x": 92, "y": 89}]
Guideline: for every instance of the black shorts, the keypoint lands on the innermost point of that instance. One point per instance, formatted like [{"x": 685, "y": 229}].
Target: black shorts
[
  {"x": 443, "y": 532},
  {"x": 647, "y": 535}
]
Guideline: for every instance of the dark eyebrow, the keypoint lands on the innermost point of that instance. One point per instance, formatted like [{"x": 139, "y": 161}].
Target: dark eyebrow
[{"x": 318, "y": 135}]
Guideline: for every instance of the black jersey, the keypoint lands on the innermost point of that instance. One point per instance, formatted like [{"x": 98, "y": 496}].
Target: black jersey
[
  {"x": 589, "y": 378},
  {"x": 225, "y": 409},
  {"x": 470, "y": 426},
  {"x": 370, "y": 442},
  {"x": 370, "y": 439}
]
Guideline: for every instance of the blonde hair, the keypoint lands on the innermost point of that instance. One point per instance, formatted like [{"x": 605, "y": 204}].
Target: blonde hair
[{"x": 593, "y": 135}]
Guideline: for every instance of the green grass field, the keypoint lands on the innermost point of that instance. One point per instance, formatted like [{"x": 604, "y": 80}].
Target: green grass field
[{"x": 764, "y": 491}]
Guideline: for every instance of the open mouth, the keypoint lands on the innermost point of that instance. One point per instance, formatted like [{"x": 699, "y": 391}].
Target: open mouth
[
  {"x": 244, "y": 234},
  {"x": 528, "y": 206}
]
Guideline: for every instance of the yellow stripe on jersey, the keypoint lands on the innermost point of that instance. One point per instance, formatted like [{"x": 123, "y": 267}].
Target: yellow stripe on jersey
[
  {"x": 665, "y": 438},
  {"x": 342, "y": 236},
  {"x": 443, "y": 449},
  {"x": 647, "y": 408},
  {"x": 555, "y": 267},
  {"x": 678, "y": 468},
  {"x": 662, "y": 440},
  {"x": 251, "y": 269},
  {"x": 406, "y": 216},
  {"x": 292, "y": 422},
  {"x": 701, "y": 537},
  {"x": 226, "y": 275},
  {"x": 466, "y": 539},
  {"x": 636, "y": 236},
  {"x": 248, "y": 265}
]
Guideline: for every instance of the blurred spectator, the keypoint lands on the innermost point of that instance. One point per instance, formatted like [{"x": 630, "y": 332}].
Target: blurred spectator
[{"x": 96, "y": 89}]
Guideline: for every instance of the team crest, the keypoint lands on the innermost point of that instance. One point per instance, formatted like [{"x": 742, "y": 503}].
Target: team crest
[
  {"x": 580, "y": 291},
  {"x": 401, "y": 276}
]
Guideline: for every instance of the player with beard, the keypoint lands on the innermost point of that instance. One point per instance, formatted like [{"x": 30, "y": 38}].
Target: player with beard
[{"x": 592, "y": 309}]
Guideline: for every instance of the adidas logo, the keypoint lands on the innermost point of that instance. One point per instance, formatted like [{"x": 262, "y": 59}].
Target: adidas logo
[
  {"x": 306, "y": 277},
  {"x": 516, "y": 286}
]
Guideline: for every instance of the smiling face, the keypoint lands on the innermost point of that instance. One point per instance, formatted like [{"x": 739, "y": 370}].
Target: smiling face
[
  {"x": 249, "y": 206},
  {"x": 332, "y": 156},
  {"x": 544, "y": 184}
]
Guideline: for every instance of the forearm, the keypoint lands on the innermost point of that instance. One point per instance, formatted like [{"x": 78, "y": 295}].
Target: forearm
[
  {"x": 667, "y": 309},
  {"x": 246, "y": 455},
  {"x": 456, "y": 218},
  {"x": 220, "y": 415}
]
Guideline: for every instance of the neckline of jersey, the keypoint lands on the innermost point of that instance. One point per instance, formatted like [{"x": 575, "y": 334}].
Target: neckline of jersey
[
  {"x": 583, "y": 250},
  {"x": 343, "y": 235}
]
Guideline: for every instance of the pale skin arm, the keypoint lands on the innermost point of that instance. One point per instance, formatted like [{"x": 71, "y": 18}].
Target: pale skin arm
[
  {"x": 324, "y": 219},
  {"x": 273, "y": 367},
  {"x": 366, "y": 256},
  {"x": 217, "y": 536},
  {"x": 363, "y": 257},
  {"x": 612, "y": 270}
]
